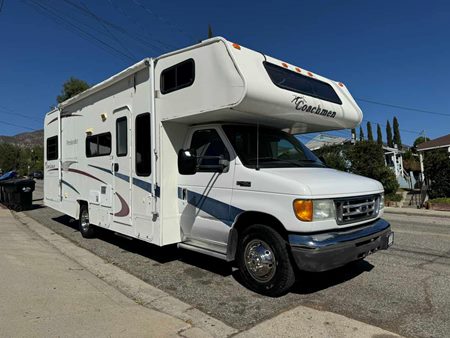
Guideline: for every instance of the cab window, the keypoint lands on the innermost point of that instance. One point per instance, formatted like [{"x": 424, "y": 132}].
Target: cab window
[{"x": 207, "y": 142}]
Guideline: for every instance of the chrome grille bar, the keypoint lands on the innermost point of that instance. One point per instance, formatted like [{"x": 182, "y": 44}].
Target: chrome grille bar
[{"x": 355, "y": 209}]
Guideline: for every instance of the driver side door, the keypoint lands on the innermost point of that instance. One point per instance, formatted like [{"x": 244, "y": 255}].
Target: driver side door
[{"x": 205, "y": 197}]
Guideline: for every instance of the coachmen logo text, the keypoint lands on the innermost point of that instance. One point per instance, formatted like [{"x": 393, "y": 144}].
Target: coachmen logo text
[{"x": 301, "y": 104}]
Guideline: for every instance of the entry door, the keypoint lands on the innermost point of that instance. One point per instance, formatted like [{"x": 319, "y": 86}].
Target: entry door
[
  {"x": 205, "y": 197},
  {"x": 143, "y": 222},
  {"x": 121, "y": 167}
]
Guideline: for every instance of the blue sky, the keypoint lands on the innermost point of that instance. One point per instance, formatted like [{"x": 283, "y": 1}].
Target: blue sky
[{"x": 394, "y": 52}]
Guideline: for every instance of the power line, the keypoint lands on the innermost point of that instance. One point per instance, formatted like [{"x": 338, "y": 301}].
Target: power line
[
  {"x": 105, "y": 23},
  {"x": 99, "y": 20},
  {"x": 165, "y": 45},
  {"x": 1, "y": 4},
  {"x": 61, "y": 20},
  {"x": 405, "y": 130},
  {"x": 15, "y": 113},
  {"x": 403, "y": 107},
  {"x": 16, "y": 125},
  {"x": 163, "y": 20}
]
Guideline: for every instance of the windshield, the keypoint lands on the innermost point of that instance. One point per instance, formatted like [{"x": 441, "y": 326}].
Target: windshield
[{"x": 277, "y": 149}]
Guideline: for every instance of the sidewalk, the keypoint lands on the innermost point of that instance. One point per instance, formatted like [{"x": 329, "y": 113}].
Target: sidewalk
[
  {"x": 46, "y": 293},
  {"x": 417, "y": 212}
]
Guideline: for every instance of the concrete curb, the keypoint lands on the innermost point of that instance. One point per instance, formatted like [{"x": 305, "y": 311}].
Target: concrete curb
[
  {"x": 301, "y": 321},
  {"x": 417, "y": 212},
  {"x": 136, "y": 289}
]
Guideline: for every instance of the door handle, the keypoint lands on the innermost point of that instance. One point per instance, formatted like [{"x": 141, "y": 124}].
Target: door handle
[
  {"x": 115, "y": 167},
  {"x": 184, "y": 194}
]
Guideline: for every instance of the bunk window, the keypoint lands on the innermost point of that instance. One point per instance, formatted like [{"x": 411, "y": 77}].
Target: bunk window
[
  {"x": 287, "y": 79},
  {"x": 143, "y": 145},
  {"x": 98, "y": 145},
  {"x": 121, "y": 136},
  {"x": 52, "y": 148},
  {"x": 180, "y": 76}
]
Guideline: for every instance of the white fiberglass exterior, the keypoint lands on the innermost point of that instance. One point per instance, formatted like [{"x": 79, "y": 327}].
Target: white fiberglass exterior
[{"x": 231, "y": 85}]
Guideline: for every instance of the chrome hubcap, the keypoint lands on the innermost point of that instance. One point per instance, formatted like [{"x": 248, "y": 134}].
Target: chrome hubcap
[
  {"x": 260, "y": 260},
  {"x": 84, "y": 220}
]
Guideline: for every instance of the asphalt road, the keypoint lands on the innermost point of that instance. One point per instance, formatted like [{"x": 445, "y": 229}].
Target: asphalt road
[{"x": 403, "y": 290}]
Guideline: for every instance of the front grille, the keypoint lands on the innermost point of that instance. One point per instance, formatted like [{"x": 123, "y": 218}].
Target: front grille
[{"x": 356, "y": 209}]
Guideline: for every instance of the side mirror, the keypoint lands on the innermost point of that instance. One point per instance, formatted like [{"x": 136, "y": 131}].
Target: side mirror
[{"x": 187, "y": 161}]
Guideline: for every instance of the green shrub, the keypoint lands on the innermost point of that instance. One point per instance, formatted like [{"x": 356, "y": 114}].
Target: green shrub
[
  {"x": 334, "y": 156},
  {"x": 437, "y": 172},
  {"x": 367, "y": 159},
  {"x": 393, "y": 198},
  {"x": 440, "y": 200}
]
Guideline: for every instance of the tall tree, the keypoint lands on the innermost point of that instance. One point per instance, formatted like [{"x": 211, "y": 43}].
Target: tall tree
[
  {"x": 210, "y": 32},
  {"x": 389, "y": 141},
  {"x": 369, "y": 132},
  {"x": 361, "y": 134},
  {"x": 379, "y": 135},
  {"x": 72, "y": 87},
  {"x": 397, "y": 139}
]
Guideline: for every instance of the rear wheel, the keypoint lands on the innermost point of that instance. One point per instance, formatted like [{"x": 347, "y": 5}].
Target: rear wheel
[
  {"x": 86, "y": 228},
  {"x": 263, "y": 261}
]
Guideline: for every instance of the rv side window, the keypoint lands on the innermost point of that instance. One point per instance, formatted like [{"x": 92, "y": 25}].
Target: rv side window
[
  {"x": 121, "y": 136},
  {"x": 98, "y": 145},
  {"x": 287, "y": 79},
  {"x": 52, "y": 148},
  {"x": 207, "y": 142},
  {"x": 180, "y": 76},
  {"x": 143, "y": 145}
]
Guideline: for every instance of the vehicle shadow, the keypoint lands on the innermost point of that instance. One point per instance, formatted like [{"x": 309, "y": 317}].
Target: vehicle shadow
[
  {"x": 307, "y": 282},
  {"x": 311, "y": 282},
  {"x": 161, "y": 255}
]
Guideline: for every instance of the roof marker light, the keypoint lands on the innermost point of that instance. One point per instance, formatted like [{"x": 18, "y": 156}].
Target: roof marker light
[
  {"x": 298, "y": 69},
  {"x": 310, "y": 74},
  {"x": 341, "y": 84},
  {"x": 235, "y": 45},
  {"x": 284, "y": 65}
]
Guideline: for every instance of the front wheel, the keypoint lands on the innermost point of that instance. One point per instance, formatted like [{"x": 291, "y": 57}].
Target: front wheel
[
  {"x": 86, "y": 228},
  {"x": 263, "y": 261}
]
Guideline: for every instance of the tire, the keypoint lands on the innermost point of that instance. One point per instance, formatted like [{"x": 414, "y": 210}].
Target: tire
[
  {"x": 275, "y": 275},
  {"x": 87, "y": 229}
]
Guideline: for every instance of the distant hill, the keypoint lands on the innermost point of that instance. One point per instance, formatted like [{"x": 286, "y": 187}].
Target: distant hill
[{"x": 25, "y": 139}]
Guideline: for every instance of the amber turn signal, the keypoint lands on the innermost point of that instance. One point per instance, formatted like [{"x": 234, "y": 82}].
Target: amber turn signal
[{"x": 303, "y": 209}]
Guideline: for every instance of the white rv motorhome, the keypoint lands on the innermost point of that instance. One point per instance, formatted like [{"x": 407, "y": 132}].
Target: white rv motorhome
[{"x": 196, "y": 147}]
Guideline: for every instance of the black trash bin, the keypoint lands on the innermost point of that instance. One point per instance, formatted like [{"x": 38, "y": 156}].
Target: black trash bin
[{"x": 17, "y": 193}]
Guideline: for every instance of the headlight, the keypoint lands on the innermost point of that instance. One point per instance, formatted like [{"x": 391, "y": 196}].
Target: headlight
[
  {"x": 324, "y": 209},
  {"x": 317, "y": 210}
]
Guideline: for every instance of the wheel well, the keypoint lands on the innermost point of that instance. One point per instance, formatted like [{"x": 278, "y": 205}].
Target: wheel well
[
  {"x": 248, "y": 218},
  {"x": 80, "y": 203}
]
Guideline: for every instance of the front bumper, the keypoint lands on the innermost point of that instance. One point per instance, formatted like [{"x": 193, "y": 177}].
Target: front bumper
[{"x": 329, "y": 250}]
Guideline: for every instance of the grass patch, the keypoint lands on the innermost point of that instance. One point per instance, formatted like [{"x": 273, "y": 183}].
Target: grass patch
[
  {"x": 393, "y": 197},
  {"x": 445, "y": 200}
]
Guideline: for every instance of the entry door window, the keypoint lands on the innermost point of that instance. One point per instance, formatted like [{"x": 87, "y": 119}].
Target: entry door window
[
  {"x": 207, "y": 142},
  {"x": 121, "y": 136},
  {"x": 143, "y": 145}
]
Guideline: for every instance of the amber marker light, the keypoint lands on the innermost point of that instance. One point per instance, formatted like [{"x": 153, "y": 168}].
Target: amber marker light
[
  {"x": 235, "y": 45},
  {"x": 303, "y": 209}
]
